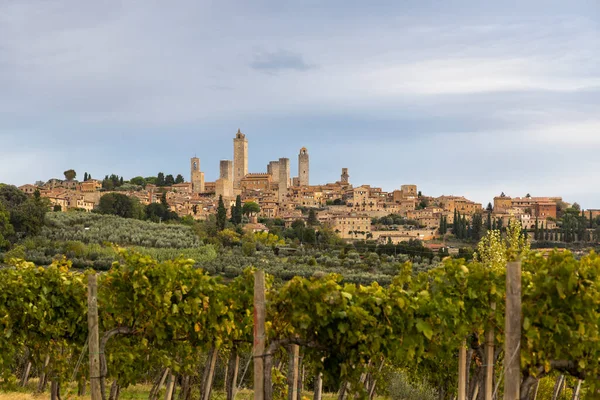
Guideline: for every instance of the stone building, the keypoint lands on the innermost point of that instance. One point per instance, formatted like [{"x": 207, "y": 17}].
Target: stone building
[
  {"x": 240, "y": 158},
  {"x": 303, "y": 167},
  {"x": 352, "y": 226},
  {"x": 273, "y": 170},
  {"x": 256, "y": 182},
  {"x": 224, "y": 185},
  {"x": 284, "y": 178},
  {"x": 345, "y": 178},
  {"x": 196, "y": 176}
]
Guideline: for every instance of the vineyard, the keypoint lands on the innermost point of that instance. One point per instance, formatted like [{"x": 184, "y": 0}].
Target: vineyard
[{"x": 171, "y": 324}]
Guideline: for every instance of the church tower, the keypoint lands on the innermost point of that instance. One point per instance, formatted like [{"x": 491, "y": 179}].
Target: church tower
[
  {"x": 303, "y": 167},
  {"x": 240, "y": 158},
  {"x": 345, "y": 177},
  {"x": 284, "y": 178},
  {"x": 196, "y": 176}
]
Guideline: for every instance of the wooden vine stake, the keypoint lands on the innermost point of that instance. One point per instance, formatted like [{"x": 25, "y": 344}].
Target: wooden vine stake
[
  {"x": 259, "y": 335},
  {"x": 293, "y": 370},
  {"x": 489, "y": 359},
  {"x": 512, "y": 345},
  {"x": 93, "y": 337},
  {"x": 462, "y": 371}
]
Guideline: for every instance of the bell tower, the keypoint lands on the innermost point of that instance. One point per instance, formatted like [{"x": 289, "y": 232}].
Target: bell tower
[
  {"x": 196, "y": 176},
  {"x": 240, "y": 158},
  {"x": 303, "y": 167}
]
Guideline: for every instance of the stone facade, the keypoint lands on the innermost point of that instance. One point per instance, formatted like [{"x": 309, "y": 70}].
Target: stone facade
[
  {"x": 352, "y": 226},
  {"x": 256, "y": 182},
  {"x": 273, "y": 170},
  {"x": 240, "y": 158},
  {"x": 224, "y": 185},
  {"x": 303, "y": 167},
  {"x": 196, "y": 176},
  {"x": 284, "y": 178},
  {"x": 345, "y": 178}
]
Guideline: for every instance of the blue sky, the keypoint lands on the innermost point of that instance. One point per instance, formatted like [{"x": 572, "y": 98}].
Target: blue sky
[{"x": 459, "y": 97}]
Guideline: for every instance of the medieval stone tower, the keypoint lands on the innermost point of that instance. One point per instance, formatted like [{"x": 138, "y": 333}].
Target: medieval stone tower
[
  {"x": 303, "y": 167},
  {"x": 196, "y": 176},
  {"x": 240, "y": 158},
  {"x": 224, "y": 185},
  {"x": 284, "y": 178},
  {"x": 345, "y": 176}
]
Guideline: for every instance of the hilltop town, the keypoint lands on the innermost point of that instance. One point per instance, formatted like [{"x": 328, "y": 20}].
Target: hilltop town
[{"x": 353, "y": 212}]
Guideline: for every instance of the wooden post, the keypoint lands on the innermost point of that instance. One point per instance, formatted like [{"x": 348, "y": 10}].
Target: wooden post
[
  {"x": 25, "y": 377},
  {"x": 318, "y": 390},
  {"x": 489, "y": 359},
  {"x": 210, "y": 373},
  {"x": 462, "y": 371},
  {"x": 259, "y": 335},
  {"x": 293, "y": 372},
  {"x": 170, "y": 387},
  {"x": 558, "y": 387},
  {"x": 93, "y": 337},
  {"x": 234, "y": 366},
  {"x": 577, "y": 390},
  {"x": 512, "y": 345}
]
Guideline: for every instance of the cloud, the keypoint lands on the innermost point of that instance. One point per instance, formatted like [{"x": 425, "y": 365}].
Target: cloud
[
  {"x": 468, "y": 98},
  {"x": 280, "y": 60}
]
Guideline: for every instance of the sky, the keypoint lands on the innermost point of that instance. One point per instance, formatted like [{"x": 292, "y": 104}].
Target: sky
[{"x": 460, "y": 97}]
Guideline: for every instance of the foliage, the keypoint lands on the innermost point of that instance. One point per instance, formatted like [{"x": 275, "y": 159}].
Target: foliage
[
  {"x": 27, "y": 215},
  {"x": 120, "y": 205},
  {"x": 97, "y": 228},
  {"x": 70, "y": 174},
  {"x": 221, "y": 214},
  {"x": 250, "y": 207},
  {"x": 400, "y": 387}
]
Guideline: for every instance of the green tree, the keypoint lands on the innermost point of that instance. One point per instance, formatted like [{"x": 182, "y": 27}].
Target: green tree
[
  {"x": 179, "y": 179},
  {"x": 27, "y": 214},
  {"x": 160, "y": 179},
  {"x": 169, "y": 180},
  {"x": 138, "y": 180},
  {"x": 85, "y": 176},
  {"x": 221, "y": 215},
  {"x": 251, "y": 207},
  {"x": 116, "y": 204},
  {"x": 312, "y": 218},
  {"x": 6, "y": 229},
  {"x": 70, "y": 174},
  {"x": 236, "y": 211},
  {"x": 477, "y": 229}
]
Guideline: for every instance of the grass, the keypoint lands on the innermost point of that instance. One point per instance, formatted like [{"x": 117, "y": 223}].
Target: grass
[{"x": 136, "y": 392}]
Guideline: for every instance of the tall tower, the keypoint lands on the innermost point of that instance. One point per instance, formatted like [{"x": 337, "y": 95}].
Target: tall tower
[
  {"x": 303, "y": 167},
  {"x": 196, "y": 176},
  {"x": 240, "y": 158},
  {"x": 224, "y": 185},
  {"x": 345, "y": 176},
  {"x": 284, "y": 178}
]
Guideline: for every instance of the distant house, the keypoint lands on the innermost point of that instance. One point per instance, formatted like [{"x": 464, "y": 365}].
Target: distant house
[{"x": 28, "y": 189}]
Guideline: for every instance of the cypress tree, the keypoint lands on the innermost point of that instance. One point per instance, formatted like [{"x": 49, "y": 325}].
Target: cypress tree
[
  {"x": 489, "y": 221},
  {"x": 455, "y": 223},
  {"x": 221, "y": 214},
  {"x": 236, "y": 212},
  {"x": 536, "y": 231}
]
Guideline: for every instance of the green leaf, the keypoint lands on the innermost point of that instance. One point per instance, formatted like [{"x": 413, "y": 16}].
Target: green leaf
[{"x": 425, "y": 328}]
